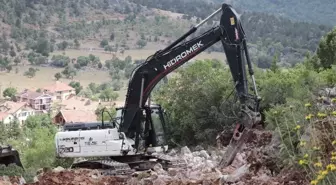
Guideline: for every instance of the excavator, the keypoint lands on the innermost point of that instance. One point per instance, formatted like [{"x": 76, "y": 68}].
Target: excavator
[{"x": 139, "y": 129}]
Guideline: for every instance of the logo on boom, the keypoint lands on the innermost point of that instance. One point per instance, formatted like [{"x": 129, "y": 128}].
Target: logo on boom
[{"x": 184, "y": 54}]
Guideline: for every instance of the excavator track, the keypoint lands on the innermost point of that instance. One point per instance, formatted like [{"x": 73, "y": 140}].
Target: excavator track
[
  {"x": 105, "y": 167},
  {"x": 111, "y": 167}
]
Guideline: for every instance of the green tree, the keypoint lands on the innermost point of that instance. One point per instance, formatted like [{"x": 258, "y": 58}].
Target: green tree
[
  {"x": 43, "y": 47},
  {"x": 141, "y": 43},
  {"x": 17, "y": 60},
  {"x": 326, "y": 50},
  {"x": 108, "y": 95},
  {"x": 9, "y": 92},
  {"x": 9, "y": 68},
  {"x": 274, "y": 66},
  {"x": 69, "y": 72},
  {"x": 63, "y": 45},
  {"x": 12, "y": 53},
  {"x": 104, "y": 43},
  {"x": 31, "y": 72},
  {"x": 77, "y": 86},
  {"x": 201, "y": 109},
  {"x": 77, "y": 44},
  {"x": 58, "y": 76}
]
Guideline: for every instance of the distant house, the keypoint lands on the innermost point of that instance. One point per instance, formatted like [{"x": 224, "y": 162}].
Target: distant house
[
  {"x": 60, "y": 91},
  {"x": 68, "y": 116},
  {"x": 36, "y": 100},
  {"x": 19, "y": 111}
]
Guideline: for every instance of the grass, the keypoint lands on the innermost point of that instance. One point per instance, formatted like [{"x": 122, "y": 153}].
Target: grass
[{"x": 45, "y": 77}]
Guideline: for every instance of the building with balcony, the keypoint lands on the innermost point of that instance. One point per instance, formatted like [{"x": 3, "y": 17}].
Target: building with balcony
[{"x": 36, "y": 100}]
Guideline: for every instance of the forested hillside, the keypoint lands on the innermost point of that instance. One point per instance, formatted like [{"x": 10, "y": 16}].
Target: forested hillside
[
  {"x": 267, "y": 34},
  {"x": 320, "y": 12}
]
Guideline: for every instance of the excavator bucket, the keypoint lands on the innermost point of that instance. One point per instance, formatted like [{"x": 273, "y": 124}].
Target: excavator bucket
[{"x": 8, "y": 156}]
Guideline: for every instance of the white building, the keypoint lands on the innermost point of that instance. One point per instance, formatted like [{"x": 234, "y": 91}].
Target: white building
[{"x": 15, "y": 111}]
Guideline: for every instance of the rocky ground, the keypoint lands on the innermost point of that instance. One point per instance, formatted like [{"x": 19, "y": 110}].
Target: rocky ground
[{"x": 255, "y": 165}]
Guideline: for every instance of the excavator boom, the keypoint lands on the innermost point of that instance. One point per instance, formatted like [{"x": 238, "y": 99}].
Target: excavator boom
[
  {"x": 140, "y": 128},
  {"x": 144, "y": 78}
]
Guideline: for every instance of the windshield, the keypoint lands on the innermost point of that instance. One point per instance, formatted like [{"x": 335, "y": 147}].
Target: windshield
[{"x": 158, "y": 126}]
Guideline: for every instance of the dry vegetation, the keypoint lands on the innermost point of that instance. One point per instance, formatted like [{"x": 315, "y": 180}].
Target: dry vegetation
[{"x": 45, "y": 76}]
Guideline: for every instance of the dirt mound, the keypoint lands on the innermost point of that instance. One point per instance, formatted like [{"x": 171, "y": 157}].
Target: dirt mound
[{"x": 74, "y": 177}]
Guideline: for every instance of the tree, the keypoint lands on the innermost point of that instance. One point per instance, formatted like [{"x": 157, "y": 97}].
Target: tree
[
  {"x": 104, "y": 43},
  {"x": 9, "y": 68},
  {"x": 274, "y": 66},
  {"x": 43, "y": 47},
  {"x": 108, "y": 48},
  {"x": 112, "y": 37},
  {"x": 326, "y": 50},
  {"x": 58, "y": 76},
  {"x": 9, "y": 92},
  {"x": 198, "y": 111},
  {"x": 77, "y": 86},
  {"x": 83, "y": 61},
  {"x": 108, "y": 95},
  {"x": 63, "y": 45},
  {"x": 77, "y": 44},
  {"x": 100, "y": 65},
  {"x": 12, "y": 53},
  {"x": 69, "y": 72},
  {"x": 31, "y": 72},
  {"x": 17, "y": 60},
  {"x": 141, "y": 43}
]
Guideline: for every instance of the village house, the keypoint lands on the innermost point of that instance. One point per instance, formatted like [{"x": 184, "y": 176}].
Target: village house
[
  {"x": 60, "y": 91},
  {"x": 74, "y": 116},
  {"x": 38, "y": 101},
  {"x": 15, "y": 111}
]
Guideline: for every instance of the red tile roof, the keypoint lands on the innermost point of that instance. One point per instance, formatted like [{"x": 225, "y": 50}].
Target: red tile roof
[
  {"x": 79, "y": 116},
  {"x": 29, "y": 94},
  {"x": 3, "y": 115},
  {"x": 13, "y": 106},
  {"x": 58, "y": 86}
]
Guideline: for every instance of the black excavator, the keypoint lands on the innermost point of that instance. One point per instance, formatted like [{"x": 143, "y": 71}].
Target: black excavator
[{"x": 139, "y": 127}]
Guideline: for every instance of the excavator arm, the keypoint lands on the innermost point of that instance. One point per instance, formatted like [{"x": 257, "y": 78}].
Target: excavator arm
[{"x": 146, "y": 75}]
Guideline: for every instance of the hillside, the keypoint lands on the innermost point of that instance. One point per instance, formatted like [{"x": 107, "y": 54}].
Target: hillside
[
  {"x": 320, "y": 12},
  {"x": 267, "y": 34},
  {"x": 98, "y": 32}
]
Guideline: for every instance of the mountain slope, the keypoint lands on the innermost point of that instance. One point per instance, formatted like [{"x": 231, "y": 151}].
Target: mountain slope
[{"x": 319, "y": 12}]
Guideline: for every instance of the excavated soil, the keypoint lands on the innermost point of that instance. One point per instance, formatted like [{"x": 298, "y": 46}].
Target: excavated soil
[{"x": 256, "y": 164}]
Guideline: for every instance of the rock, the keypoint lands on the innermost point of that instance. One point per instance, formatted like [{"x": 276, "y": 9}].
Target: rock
[
  {"x": 58, "y": 169},
  {"x": 172, "y": 152},
  {"x": 185, "y": 150},
  {"x": 199, "y": 148},
  {"x": 236, "y": 175},
  {"x": 204, "y": 154},
  {"x": 172, "y": 171}
]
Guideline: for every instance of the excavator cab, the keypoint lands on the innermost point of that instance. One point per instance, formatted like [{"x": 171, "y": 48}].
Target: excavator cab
[{"x": 153, "y": 127}]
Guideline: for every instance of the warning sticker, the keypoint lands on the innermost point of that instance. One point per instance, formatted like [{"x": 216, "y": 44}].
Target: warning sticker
[{"x": 232, "y": 20}]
